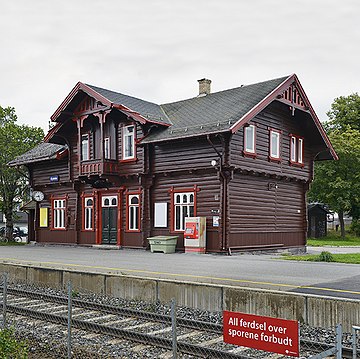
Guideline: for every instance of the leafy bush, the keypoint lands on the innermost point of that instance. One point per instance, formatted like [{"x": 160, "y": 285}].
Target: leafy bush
[
  {"x": 326, "y": 257},
  {"x": 355, "y": 228},
  {"x": 10, "y": 347}
]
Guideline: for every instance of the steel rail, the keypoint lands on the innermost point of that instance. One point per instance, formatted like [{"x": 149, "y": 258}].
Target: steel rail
[
  {"x": 109, "y": 309},
  {"x": 147, "y": 339},
  {"x": 163, "y": 318}
]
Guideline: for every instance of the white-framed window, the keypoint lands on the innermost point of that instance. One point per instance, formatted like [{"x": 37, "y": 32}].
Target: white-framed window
[
  {"x": 59, "y": 213},
  {"x": 296, "y": 149},
  {"x": 133, "y": 204},
  {"x": 249, "y": 139},
  {"x": 300, "y": 150},
  {"x": 184, "y": 206},
  {"x": 109, "y": 201},
  {"x": 85, "y": 148},
  {"x": 88, "y": 213},
  {"x": 128, "y": 142},
  {"x": 107, "y": 148},
  {"x": 274, "y": 144}
]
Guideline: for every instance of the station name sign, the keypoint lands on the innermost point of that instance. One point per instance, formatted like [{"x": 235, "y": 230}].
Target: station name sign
[
  {"x": 54, "y": 178},
  {"x": 264, "y": 333}
]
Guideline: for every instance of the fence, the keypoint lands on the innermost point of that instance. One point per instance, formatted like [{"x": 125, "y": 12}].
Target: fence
[{"x": 74, "y": 323}]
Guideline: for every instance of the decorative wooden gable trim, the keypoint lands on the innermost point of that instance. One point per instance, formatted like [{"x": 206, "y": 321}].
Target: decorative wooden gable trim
[
  {"x": 89, "y": 104},
  {"x": 83, "y": 87},
  {"x": 97, "y": 102},
  {"x": 292, "y": 97},
  {"x": 297, "y": 99}
]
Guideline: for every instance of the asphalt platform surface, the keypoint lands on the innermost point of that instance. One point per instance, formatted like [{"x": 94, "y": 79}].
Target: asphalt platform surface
[{"x": 265, "y": 271}]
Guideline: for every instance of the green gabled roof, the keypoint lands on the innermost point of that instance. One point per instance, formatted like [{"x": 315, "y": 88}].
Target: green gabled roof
[
  {"x": 216, "y": 112},
  {"x": 147, "y": 109},
  {"x": 43, "y": 152}
]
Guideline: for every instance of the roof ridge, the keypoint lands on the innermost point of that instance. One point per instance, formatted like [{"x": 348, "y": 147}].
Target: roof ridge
[
  {"x": 120, "y": 93},
  {"x": 226, "y": 90}
]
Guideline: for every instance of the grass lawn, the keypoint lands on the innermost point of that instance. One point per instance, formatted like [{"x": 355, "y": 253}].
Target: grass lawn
[
  {"x": 11, "y": 244},
  {"x": 353, "y": 258},
  {"x": 334, "y": 239}
]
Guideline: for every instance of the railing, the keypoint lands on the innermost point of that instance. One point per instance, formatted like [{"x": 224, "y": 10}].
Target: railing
[{"x": 99, "y": 167}]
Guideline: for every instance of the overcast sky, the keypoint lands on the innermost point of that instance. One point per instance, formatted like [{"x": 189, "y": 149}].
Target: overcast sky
[{"x": 157, "y": 49}]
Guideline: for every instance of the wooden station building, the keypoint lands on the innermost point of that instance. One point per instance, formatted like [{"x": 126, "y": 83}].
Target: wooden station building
[{"x": 115, "y": 170}]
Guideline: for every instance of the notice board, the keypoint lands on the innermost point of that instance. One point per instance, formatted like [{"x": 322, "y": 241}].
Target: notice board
[{"x": 44, "y": 217}]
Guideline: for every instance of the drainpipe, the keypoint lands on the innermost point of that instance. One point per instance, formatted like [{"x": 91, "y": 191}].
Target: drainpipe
[{"x": 224, "y": 192}]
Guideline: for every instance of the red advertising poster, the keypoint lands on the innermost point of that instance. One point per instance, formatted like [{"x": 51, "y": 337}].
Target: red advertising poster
[{"x": 264, "y": 333}]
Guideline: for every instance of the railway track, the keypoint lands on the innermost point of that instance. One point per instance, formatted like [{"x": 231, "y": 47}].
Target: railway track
[{"x": 194, "y": 338}]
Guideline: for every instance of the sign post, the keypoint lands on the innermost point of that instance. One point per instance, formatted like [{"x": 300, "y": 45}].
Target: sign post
[{"x": 264, "y": 333}]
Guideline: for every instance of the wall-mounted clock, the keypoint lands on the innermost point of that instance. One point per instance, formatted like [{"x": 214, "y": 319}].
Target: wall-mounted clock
[{"x": 38, "y": 196}]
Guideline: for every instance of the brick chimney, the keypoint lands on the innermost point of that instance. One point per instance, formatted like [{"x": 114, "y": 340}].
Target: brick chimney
[{"x": 204, "y": 87}]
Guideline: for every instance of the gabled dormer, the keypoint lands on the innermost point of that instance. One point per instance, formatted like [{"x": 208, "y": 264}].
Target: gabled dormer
[{"x": 107, "y": 127}]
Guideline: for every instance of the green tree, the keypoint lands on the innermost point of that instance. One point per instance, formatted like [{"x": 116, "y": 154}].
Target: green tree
[
  {"x": 337, "y": 183},
  {"x": 14, "y": 140},
  {"x": 345, "y": 111}
]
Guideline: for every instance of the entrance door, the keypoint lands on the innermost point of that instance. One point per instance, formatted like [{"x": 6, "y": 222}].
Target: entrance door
[{"x": 109, "y": 220}]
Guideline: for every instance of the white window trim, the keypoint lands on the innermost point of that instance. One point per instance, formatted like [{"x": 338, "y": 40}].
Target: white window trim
[
  {"x": 88, "y": 214},
  {"x": 133, "y": 210},
  {"x": 85, "y": 139},
  {"x": 182, "y": 205},
  {"x": 300, "y": 156},
  {"x": 59, "y": 210},
  {"x": 246, "y": 137},
  {"x": 126, "y": 134},
  {"x": 293, "y": 144},
  {"x": 107, "y": 148},
  {"x": 113, "y": 201},
  {"x": 296, "y": 149},
  {"x": 277, "y": 154}
]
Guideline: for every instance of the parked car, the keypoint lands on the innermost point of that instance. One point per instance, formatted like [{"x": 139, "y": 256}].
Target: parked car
[{"x": 23, "y": 231}]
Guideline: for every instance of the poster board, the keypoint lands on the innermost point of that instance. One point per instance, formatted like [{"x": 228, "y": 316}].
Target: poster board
[
  {"x": 160, "y": 215},
  {"x": 44, "y": 215}
]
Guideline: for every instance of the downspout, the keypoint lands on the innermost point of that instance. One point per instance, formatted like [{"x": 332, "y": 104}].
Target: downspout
[{"x": 224, "y": 193}]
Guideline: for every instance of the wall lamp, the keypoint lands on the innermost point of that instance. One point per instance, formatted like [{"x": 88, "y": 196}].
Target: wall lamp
[{"x": 272, "y": 185}]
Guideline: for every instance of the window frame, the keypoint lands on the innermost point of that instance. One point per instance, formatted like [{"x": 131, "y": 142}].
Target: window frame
[
  {"x": 124, "y": 136},
  {"x": 272, "y": 156},
  {"x": 107, "y": 148},
  {"x": 296, "y": 155},
  {"x": 250, "y": 152},
  {"x": 181, "y": 191},
  {"x": 87, "y": 147},
  {"x": 129, "y": 209},
  {"x": 86, "y": 207},
  {"x": 63, "y": 213}
]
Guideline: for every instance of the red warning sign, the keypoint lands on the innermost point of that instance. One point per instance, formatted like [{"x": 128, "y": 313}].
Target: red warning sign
[{"x": 263, "y": 333}]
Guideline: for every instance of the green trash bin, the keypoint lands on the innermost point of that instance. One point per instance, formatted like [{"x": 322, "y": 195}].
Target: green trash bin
[{"x": 165, "y": 244}]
